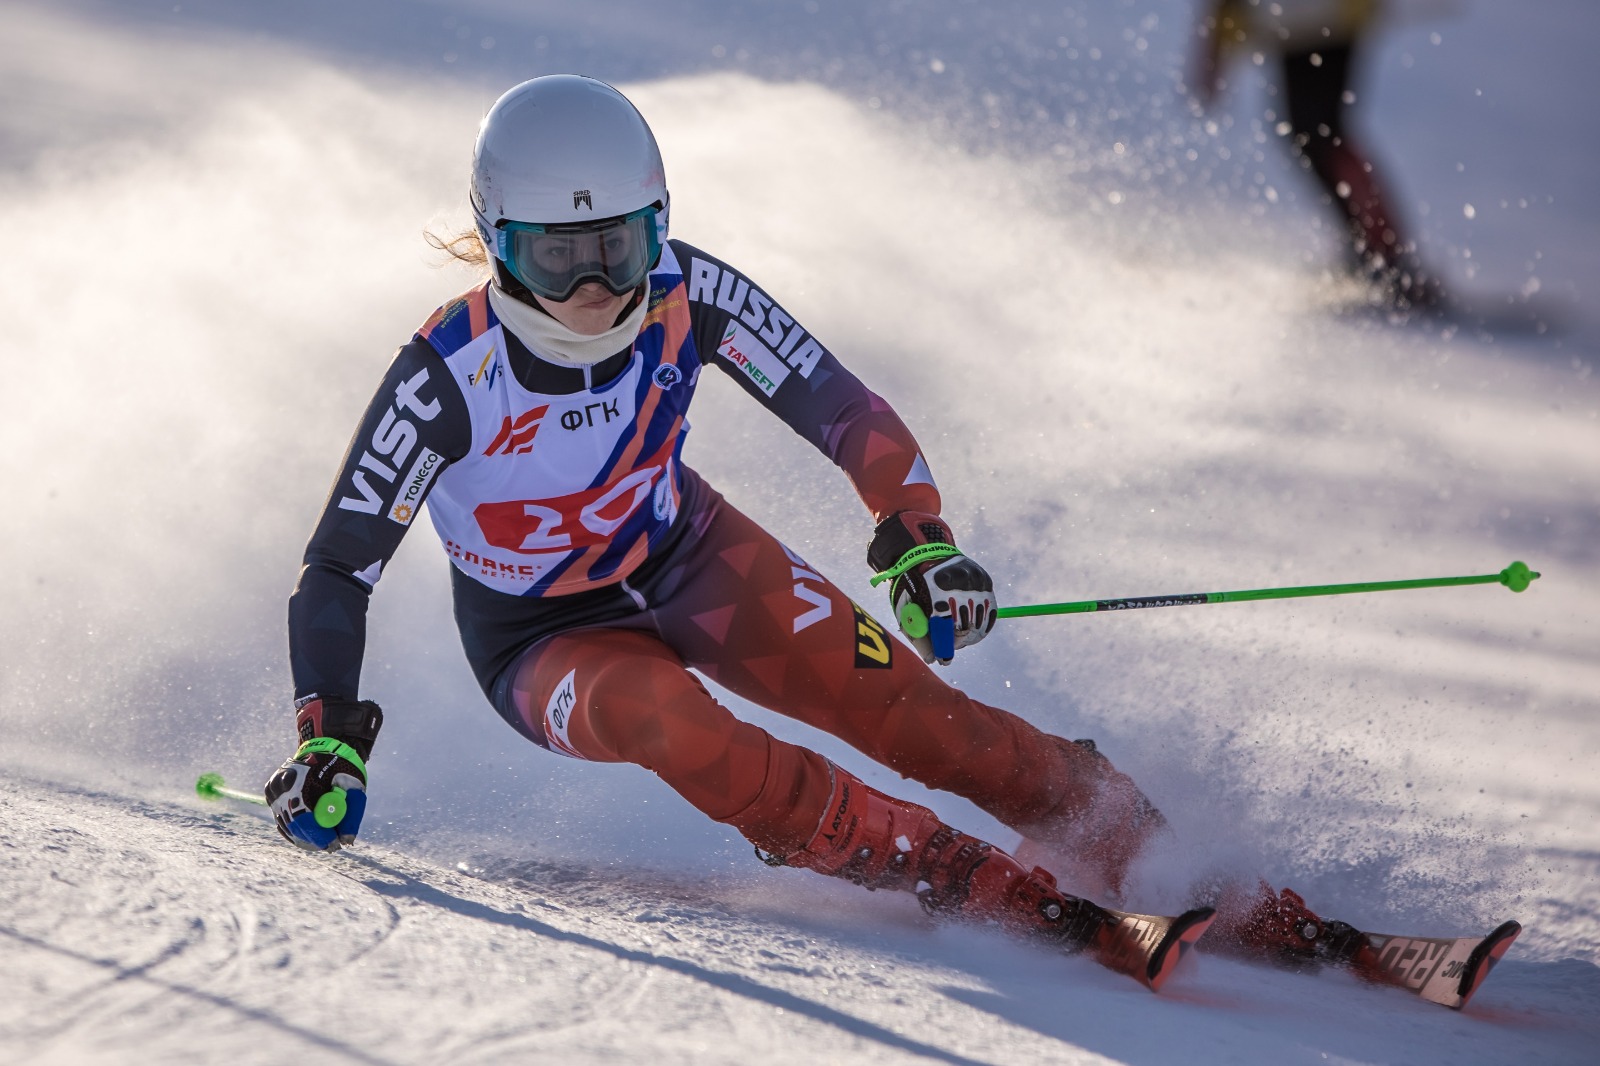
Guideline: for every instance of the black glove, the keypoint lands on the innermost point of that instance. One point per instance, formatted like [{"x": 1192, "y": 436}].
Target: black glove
[
  {"x": 320, "y": 793},
  {"x": 932, "y": 586}
]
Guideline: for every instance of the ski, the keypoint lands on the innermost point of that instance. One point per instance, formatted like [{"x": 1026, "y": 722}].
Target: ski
[
  {"x": 1443, "y": 970},
  {"x": 1146, "y": 947}
]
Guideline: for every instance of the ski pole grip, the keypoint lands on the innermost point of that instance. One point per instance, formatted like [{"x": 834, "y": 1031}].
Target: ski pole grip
[
  {"x": 913, "y": 621},
  {"x": 331, "y": 808},
  {"x": 942, "y": 635}
]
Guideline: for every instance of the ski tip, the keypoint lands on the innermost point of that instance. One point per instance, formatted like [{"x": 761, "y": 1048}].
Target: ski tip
[
  {"x": 1186, "y": 929},
  {"x": 1484, "y": 957}
]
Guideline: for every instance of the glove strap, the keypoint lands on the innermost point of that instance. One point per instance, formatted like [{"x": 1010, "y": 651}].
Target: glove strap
[
  {"x": 337, "y": 748},
  {"x": 356, "y": 722},
  {"x": 922, "y": 553}
]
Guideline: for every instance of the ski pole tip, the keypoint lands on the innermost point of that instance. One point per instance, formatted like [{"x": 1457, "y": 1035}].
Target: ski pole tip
[
  {"x": 1517, "y": 576},
  {"x": 208, "y": 786}
]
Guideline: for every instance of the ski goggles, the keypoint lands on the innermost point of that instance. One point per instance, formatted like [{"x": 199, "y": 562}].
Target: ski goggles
[{"x": 552, "y": 260}]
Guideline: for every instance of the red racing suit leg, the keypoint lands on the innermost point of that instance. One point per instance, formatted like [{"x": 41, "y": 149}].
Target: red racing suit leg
[{"x": 754, "y": 618}]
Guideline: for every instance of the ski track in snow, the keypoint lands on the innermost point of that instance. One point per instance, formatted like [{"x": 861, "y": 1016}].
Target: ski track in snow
[
  {"x": 213, "y": 211},
  {"x": 185, "y": 932}
]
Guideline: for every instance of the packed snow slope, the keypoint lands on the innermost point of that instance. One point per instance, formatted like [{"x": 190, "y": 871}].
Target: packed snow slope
[{"x": 1114, "y": 326}]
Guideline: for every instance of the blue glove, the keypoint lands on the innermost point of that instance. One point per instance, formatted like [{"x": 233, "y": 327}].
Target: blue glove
[
  {"x": 942, "y": 599},
  {"x": 320, "y": 793}
]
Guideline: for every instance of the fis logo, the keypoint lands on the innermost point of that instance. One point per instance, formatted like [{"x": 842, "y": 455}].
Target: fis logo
[
  {"x": 488, "y": 372},
  {"x": 393, "y": 440},
  {"x": 516, "y": 436},
  {"x": 580, "y": 198}
]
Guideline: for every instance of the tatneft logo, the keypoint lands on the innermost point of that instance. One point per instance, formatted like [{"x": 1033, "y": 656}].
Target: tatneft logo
[
  {"x": 394, "y": 438},
  {"x": 516, "y": 435},
  {"x": 740, "y": 347},
  {"x": 580, "y": 198}
]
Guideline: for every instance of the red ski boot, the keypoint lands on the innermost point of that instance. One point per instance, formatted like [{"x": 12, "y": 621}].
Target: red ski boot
[
  {"x": 1279, "y": 928},
  {"x": 877, "y": 841}
]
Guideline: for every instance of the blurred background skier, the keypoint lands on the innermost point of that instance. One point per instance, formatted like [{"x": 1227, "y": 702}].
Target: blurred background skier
[
  {"x": 541, "y": 416},
  {"x": 1317, "y": 45}
]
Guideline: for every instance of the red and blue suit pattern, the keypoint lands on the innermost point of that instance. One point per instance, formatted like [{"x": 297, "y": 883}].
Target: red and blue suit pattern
[{"x": 598, "y": 647}]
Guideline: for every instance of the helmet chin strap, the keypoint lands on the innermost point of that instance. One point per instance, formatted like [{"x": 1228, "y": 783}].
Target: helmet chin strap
[{"x": 549, "y": 339}]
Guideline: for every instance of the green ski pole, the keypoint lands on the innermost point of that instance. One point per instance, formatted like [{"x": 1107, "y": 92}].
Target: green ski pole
[
  {"x": 328, "y": 812},
  {"x": 210, "y": 786},
  {"x": 1515, "y": 577}
]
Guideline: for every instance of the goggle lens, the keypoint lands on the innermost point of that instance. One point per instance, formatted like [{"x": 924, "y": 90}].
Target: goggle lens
[{"x": 553, "y": 260}]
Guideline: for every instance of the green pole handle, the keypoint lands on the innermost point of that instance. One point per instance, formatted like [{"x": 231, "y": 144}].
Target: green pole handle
[
  {"x": 1515, "y": 577},
  {"x": 330, "y": 808}
]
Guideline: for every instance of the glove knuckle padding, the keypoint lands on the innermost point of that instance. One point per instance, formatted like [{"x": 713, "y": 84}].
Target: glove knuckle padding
[{"x": 961, "y": 575}]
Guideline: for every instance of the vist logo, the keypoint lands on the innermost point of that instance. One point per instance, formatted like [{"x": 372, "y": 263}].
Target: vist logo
[
  {"x": 666, "y": 376},
  {"x": 580, "y": 198},
  {"x": 820, "y": 607},
  {"x": 393, "y": 440},
  {"x": 516, "y": 434}
]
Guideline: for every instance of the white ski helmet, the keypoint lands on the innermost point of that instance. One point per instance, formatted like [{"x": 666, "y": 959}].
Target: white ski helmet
[{"x": 568, "y": 187}]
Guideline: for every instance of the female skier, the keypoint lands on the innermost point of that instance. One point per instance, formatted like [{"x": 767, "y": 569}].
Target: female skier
[{"x": 541, "y": 416}]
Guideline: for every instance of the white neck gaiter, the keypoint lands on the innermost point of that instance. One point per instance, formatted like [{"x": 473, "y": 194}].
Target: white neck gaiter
[{"x": 549, "y": 339}]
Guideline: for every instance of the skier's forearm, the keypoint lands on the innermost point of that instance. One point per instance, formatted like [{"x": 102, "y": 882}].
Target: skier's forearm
[
  {"x": 327, "y": 631},
  {"x": 877, "y": 452}
]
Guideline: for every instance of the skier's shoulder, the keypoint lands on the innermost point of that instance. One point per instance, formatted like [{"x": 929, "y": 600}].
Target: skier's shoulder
[
  {"x": 458, "y": 321},
  {"x": 415, "y": 396},
  {"x": 749, "y": 330}
]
